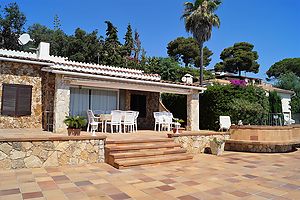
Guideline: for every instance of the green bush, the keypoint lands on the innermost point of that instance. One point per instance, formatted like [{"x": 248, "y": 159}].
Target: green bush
[
  {"x": 249, "y": 104},
  {"x": 176, "y": 104},
  {"x": 275, "y": 102}
]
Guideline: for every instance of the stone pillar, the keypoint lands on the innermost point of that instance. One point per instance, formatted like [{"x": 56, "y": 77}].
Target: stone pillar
[
  {"x": 193, "y": 111},
  {"x": 61, "y": 104}
]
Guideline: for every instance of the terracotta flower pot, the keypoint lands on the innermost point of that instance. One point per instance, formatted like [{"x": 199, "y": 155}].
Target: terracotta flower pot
[
  {"x": 180, "y": 130},
  {"x": 74, "y": 131}
]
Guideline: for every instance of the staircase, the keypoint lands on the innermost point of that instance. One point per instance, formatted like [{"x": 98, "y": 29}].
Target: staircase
[{"x": 128, "y": 153}]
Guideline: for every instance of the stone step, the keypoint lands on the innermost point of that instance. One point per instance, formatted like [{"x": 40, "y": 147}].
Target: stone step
[
  {"x": 146, "y": 153},
  {"x": 131, "y": 141},
  {"x": 122, "y": 163},
  {"x": 129, "y": 147}
]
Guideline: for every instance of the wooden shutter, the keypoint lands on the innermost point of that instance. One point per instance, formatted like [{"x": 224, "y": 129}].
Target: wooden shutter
[
  {"x": 23, "y": 103},
  {"x": 16, "y": 100},
  {"x": 9, "y": 97}
]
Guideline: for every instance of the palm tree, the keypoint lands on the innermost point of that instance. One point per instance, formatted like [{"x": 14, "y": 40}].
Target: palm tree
[{"x": 199, "y": 20}]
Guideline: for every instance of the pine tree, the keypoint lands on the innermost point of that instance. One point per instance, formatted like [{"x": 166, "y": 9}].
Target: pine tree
[
  {"x": 138, "y": 46},
  {"x": 129, "y": 43}
]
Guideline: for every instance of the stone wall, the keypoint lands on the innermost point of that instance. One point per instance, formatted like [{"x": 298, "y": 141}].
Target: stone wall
[
  {"x": 27, "y": 74},
  {"x": 48, "y": 91},
  {"x": 31, "y": 154},
  {"x": 196, "y": 143},
  {"x": 152, "y": 105},
  {"x": 259, "y": 147}
]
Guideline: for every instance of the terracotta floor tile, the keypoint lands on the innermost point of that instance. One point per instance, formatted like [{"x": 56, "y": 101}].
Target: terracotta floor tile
[
  {"x": 9, "y": 191},
  {"x": 32, "y": 195}
]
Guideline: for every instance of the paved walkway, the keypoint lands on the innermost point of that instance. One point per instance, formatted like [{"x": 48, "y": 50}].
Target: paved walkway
[{"x": 231, "y": 176}]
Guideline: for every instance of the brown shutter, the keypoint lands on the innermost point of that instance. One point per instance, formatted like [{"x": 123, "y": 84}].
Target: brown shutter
[
  {"x": 9, "y": 95},
  {"x": 23, "y": 103},
  {"x": 16, "y": 100}
]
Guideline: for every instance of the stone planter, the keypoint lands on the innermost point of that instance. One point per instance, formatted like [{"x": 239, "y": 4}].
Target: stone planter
[
  {"x": 180, "y": 130},
  {"x": 74, "y": 131},
  {"x": 217, "y": 149}
]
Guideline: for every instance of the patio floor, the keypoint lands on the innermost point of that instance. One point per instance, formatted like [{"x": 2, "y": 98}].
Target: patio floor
[{"x": 231, "y": 176}]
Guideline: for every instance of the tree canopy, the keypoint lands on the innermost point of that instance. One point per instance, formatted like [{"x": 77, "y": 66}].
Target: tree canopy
[
  {"x": 240, "y": 57},
  {"x": 12, "y": 22},
  {"x": 291, "y": 81},
  {"x": 200, "y": 18},
  {"x": 284, "y": 66},
  {"x": 186, "y": 50}
]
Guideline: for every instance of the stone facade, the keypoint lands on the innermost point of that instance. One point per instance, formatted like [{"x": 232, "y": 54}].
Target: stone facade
[
  {"x": 27, "y": 74},
  {"x": 196, "y": 143},
  {"x": 152, "y": 105},
  {"x": 48, "y": 91},
  {"x": 193, "y": 111},
  {"x": 61, "y": 103},
  {"x": 31, "y": 154}
]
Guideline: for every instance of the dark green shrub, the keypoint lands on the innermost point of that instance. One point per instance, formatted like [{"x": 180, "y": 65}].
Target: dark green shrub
[
  {"x": 275, "y": 102},
  {"x": 249, "y": 104},
  {"x": 176, "y": 104}
]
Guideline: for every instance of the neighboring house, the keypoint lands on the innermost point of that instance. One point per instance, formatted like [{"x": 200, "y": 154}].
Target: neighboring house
[
  {"x": 285, "y": 95},
  {"x": 38, "y": 90}
]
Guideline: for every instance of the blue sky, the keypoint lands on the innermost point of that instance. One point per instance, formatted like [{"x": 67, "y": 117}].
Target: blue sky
[{"x": 271, "y": 25}]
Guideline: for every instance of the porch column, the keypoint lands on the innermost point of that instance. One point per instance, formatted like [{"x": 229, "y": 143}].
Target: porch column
[
  {"x": 61, "y": 104},
  {"x": 193, "y": 111}
]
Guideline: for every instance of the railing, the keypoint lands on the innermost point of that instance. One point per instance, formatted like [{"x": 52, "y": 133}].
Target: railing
[{"x": 274, "y": 119}]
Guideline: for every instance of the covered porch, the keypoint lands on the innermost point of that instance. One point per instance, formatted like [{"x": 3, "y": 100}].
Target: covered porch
[{"x": 75, "y": 93}]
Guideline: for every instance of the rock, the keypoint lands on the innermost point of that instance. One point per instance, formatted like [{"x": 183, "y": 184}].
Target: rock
[
  {"x": 84, "y": 155},
  {"x": 52, "y": 161},
  {"x": 2, "y": 155},
  {"x": 5, "y": 164},
  {"x": 93, "y": 158},
  {"x": 62, "y": 146},
  {"x": 17, "y": 146},
  {"x": 17, "y": 154},
  {"x": 5, "y": 148},
  {"x": 43, "y": 155},
  {"x": 32, "y": 162},
  {"x": 26, "y": 146},
  {"x": 17, "y": 164},
  {"x": 63, "y": 159},
  {"x": 89, "y": 148},
  {"x": 36, "y": 151},
  {"x": 48, "y": 145}
]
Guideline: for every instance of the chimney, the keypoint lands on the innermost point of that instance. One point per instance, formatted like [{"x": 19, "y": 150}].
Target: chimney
[{"x": 43, "y": 51}]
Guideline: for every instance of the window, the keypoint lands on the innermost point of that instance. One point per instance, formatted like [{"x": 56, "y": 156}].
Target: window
[
  {"x": 138, "y": 103},
  {"x": 16, "y": 100}
]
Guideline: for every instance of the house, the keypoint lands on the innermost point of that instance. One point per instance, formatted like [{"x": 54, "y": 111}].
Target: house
[
  {"x": 285, "y": 95},
  {"x": 37, "y": 90}
]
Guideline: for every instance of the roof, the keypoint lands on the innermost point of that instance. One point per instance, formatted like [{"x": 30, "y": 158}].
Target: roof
[
  {"x": 269, "y": 87},
  {"x": 63, "y": 64}
]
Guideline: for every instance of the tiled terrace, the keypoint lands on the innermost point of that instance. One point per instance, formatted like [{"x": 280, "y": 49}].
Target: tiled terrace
[{"x": 231, "y": 176}]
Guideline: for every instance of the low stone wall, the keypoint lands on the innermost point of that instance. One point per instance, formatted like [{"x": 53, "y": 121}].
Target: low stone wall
[
  {"x": 259, "y": 147},
  {"x": 196, "y": 143},
  {"x": 50, "y": 153}
]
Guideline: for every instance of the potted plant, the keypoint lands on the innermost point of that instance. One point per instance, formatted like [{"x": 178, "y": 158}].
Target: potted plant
[
  {"x": 177, "y": 128},
  {"x": 217, "y": 146},
  {"x": 75, "y": 124}
]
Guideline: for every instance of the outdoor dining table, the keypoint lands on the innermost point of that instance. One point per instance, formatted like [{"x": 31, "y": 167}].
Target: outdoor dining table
[{"x": 105, "y": 118}]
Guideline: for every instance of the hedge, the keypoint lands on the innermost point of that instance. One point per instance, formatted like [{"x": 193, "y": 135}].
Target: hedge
[{"x": 247, "y": 103}]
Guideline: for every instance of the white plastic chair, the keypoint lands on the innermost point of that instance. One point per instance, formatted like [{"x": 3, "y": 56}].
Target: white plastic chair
[
  {"x": 135, "y": 120},
  {"x": 116, "y": 118},
  {"x": 225, "y": 123},
  {"x": 92, "y": 120},
  {"x": 128, "y": 122},
  {"x": 168, "y": 120}
]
